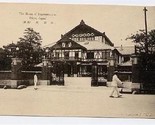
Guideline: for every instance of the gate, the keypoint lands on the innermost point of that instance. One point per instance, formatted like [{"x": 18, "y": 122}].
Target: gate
[
  {"x": 147, "y": 74},
  {"x": 147, "y": 81},
  {"x": 96, "y": 79},
  {"x": 57, "y": 74}
]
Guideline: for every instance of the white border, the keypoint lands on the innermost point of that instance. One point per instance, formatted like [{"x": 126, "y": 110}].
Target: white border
[
  {"x": 13, "y": 120},
  {"x": 109, "y": 2}
]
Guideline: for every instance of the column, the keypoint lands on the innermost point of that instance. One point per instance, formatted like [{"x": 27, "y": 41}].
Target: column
[
  {"x": 111, "y": 68},
  {"x": 94, "y": 77},
  {"x": 15, "y": 71},
  {"x": 45, "y": 72},
  {"x": 135, "y": 69}
]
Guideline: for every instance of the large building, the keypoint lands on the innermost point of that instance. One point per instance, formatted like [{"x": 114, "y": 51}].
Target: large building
[{"x": 79, "y": 48}]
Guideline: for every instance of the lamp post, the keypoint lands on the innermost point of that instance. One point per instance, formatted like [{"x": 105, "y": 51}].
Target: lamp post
[
  {"x": 47, "y": 53},
  {"x": 15, "y": 68},
  {"x": 17, "y": 50}
]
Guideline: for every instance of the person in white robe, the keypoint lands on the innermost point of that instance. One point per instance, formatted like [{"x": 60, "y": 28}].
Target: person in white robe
[{"x": 115, "y": 82}]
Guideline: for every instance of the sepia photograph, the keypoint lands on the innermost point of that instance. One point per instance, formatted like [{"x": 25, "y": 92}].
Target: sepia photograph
[{"x": 74, "y": 60}]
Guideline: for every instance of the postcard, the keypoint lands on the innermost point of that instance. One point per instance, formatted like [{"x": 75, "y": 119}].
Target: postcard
[{"x": 68, "y": 60}]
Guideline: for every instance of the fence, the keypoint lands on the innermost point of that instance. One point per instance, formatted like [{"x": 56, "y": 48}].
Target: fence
[
  {"x": 26, "y": 78},
  {"x": 125, "y": 76},
  {"x": 5, "y": 75},
  {"x": 147, "y": 81}
]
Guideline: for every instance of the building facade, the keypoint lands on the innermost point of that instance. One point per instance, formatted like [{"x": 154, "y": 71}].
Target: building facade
[
  {"x": 124, "y": 60},
  {"x": 79, "y": 48}
]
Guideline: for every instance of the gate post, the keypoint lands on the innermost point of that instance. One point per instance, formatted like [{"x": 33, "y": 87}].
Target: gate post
[
  {"x": 61, "y": 74},
  {"x": 45, "y": 72},
  {"x": 15, "y": 71},
  {"x": 135, "y": 69},
  {"x": 111, "y": 68},
  {"x": 94, "y": 77}
]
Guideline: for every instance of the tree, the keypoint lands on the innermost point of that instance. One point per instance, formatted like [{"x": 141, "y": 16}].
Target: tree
[
  {"x": 145, "y": 47},
  {"x": 28, "y": 48},
  {"x": 8, "y": 52},
  {"x": 31, "y": 38},
  {"x": 5, "y": 63},
  {"x": 145, "y": 42}
]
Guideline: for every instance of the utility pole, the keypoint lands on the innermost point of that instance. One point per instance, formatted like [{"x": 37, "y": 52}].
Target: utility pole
[{"x": 145, "y": 19}]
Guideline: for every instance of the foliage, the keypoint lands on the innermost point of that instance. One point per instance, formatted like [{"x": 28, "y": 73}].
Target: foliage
[
  {"x": 5, "y": 63},
  {"x": 28, "y": 48},
  {"x": 145, "y": 42},
  {"x": 145, "y": 48}
]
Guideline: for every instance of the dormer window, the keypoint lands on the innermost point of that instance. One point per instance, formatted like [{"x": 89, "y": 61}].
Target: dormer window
[
  {"x": 69, "y": 44},
  {"x": 63, "y": 44}
]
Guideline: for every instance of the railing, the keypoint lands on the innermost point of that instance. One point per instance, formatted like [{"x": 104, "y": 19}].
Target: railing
[
  {"x": 95, "y": 59},
  {"x": 76, "y": 59},
  {"x": 65, "y": 59}
]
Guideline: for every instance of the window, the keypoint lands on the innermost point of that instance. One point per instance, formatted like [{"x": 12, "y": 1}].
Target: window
[
  {"x": 66, "y": 54},
  {"x": 76, "y": 55},
  {"x": 63, "y": 44},
  {"x": 90, "y": 55},
  {"x": 57, "y": 54},
  {"x": 69, "y": 44},
  {"x": 106, "y": 54},
  {"x": 126, "y": 58},
  {"x": 98, "y": 55}
]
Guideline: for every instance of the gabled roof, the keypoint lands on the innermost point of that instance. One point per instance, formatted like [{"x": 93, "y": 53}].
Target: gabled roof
[
  {"x": 84, "y": 28},
  {"x": 126, "y": 50},
  {"x": 94, "y": 45},
  {"x": 67, "y": 41}
]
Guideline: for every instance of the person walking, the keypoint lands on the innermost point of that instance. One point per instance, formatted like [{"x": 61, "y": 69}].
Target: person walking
[
  {"x": 35, "y": 82},
  {"x": 115, "y": 82}
]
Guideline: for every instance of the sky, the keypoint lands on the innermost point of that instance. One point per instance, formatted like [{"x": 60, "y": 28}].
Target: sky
[{"x": 52, "y": 20}]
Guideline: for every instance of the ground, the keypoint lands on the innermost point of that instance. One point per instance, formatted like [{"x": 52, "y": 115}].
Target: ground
[{"x": 75, "y": 100}]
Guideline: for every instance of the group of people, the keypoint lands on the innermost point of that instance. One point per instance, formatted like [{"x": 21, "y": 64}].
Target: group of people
[{"x": 115, "y": 82}]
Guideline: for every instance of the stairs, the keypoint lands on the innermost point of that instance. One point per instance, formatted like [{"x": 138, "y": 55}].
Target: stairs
[{"x": 78, "y": 82}]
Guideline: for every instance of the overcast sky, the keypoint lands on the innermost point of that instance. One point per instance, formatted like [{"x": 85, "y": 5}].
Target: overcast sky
[{"x": 118, "y": 22}]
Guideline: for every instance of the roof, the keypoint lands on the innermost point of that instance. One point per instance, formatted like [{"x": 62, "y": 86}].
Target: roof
[
  {"x": 66, "y": 40},
  {"x": 49, "y": 45},
  {"x": 126, "y": 50},
  {"x": 128, "y": 63},
  {"x": 12, "y": 45},
  {"x": 94, "y": 45},
  {"x": 40, "y": 65},
  {"x": 84, "y": 28}
]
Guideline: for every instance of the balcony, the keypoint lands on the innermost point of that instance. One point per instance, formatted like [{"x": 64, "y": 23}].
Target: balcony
[
  {"x": 65, "y": 59},
  {"x": 95, "y": 59},
  {"x": 77, "y": 59}
]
